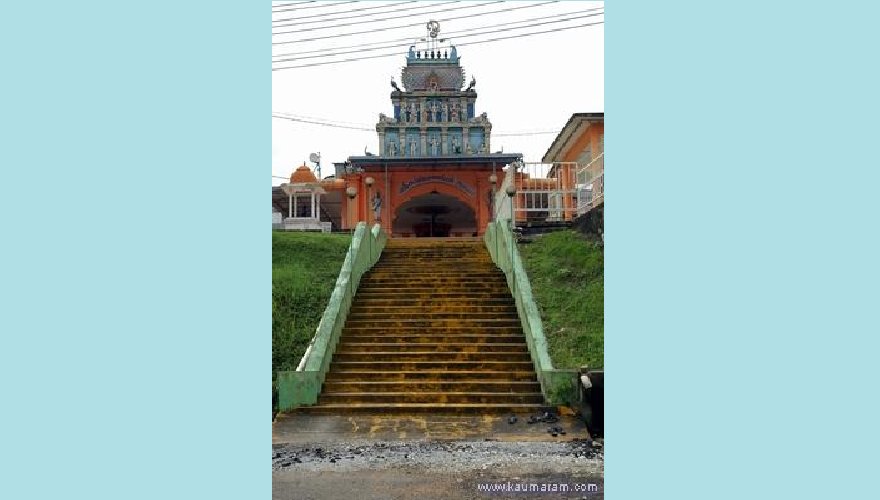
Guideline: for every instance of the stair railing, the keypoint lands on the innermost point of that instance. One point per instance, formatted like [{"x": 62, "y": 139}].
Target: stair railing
[
  {"x": 557, "y": 385},
  {"x": 591, "y": 184},
  {"x": 302, "y": 386}
]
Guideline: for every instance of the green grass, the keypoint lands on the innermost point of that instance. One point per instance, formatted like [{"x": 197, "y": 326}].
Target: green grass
[
  {"x": 304, "y": 271},
  {"x": 566, "y": 271}
]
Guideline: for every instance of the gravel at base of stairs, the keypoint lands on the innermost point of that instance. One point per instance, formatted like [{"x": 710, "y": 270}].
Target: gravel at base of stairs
[{"x": 564, "y": 457}]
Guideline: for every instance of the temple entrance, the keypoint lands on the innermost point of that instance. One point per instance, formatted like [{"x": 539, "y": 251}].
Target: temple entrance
[{"x": 434, "y": 215}]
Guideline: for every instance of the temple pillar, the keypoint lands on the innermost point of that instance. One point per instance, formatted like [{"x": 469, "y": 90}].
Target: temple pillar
[
  {"x": 382, "y": 142},
  {"x": 444, "y": 147},
  {"x": 423, "y": 135}
]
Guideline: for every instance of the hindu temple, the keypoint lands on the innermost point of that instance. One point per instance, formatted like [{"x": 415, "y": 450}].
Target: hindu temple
[{"x": 431, "y": 176}]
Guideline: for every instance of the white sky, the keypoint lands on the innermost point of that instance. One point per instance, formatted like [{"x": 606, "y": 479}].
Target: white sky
[{"x": 526, "y": 84}]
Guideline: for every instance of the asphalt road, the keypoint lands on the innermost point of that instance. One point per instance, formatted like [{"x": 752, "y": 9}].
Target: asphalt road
[{"x": 427, "y": 470}]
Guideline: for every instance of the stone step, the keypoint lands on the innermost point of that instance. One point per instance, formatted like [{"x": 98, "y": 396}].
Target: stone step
[
  {"x": 431, "y": 397},
  {"x": 407, "y": 260},
  {"x": 429, "y": 337},
  {"x": 482, "y": 365},
  {"x": 423, "y": 323},
  {"x": 456, "y": 330},
  {"x": 421, "y": 408},
  {"x": 421, "y": 253},
  {"x": 421, "y": 256},
  {"x": 474, "y": 306},
  {"x": 463, "y": 385},
  {"x": 458, "y": 347},
  {"x": 430, "y": 375},
  {"x": 441, "y": 302},
  {"x": 442, "y": 258},
  {"x": 473, "y": 290},
  {"x": 403, "y": 263},
  {"x": 434, "y": 314},
  {"x": 436, "y": 242},
  {"x": 437, "y": 284},
  {"x": 428, "y": 294},
  {"x": 429, "y": 273},
  {"x": 432, "y": 278},
  {"x": 425, "y": 290},
  {"x": 398, "y": 357}
]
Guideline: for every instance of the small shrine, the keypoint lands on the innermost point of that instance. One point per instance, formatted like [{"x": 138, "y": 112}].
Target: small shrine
[{"x": 304, "y": 202}]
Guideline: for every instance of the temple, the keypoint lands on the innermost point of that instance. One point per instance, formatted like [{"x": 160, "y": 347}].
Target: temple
[{"x": 431, "y": 176}]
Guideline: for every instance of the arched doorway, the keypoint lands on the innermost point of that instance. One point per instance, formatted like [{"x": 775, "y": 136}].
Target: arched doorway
[{"x": 434, "y": 215}]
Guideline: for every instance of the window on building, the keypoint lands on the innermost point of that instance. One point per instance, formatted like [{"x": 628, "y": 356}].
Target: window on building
[
  {"x": 585, "y": 157},
  {"x": 583, "y": 160}
]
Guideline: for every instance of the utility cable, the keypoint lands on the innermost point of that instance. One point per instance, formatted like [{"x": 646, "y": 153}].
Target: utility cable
[
  {"x": 354, "y": 10},
  {"x": 410, "y": 40},
  {"x": 492, "y": 30},
  {"x": 323, "y": 5},
  {"x": 391, "y": 18},
  {"x": 353, "y": 59},
  {"x": 322, "y": 124},
  {"x": 294, "y": 115},
  {"x": 376, "y": 30}
]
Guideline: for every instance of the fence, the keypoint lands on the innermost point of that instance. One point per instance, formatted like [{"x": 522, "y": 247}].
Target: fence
[
  {"x": 545, "y": 192},
  {"x": 591, "y": 184}
]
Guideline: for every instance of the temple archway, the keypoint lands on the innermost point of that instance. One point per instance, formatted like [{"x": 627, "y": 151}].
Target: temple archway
[{"x": 434, "y": 215}]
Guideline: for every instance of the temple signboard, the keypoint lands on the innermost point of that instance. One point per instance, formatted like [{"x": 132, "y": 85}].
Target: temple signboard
[{"x": 442, "y": 179}]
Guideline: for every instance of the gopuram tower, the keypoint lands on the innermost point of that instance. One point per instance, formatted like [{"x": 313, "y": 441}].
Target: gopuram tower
[{"x": 431, "y": 176}]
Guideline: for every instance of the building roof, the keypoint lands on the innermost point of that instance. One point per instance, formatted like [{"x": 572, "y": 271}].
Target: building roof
[
  {"x": 572, "y": 128},
  {"x": 427, "y": 161},
  {"x": 302, "y": 175}
]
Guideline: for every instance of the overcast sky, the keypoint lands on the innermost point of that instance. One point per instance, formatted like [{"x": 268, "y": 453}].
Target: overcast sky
[{"x": 525, "y": 84}]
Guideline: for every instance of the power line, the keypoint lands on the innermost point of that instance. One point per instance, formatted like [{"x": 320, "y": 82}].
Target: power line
[
  {"x": 322, "y": 124},
  {"x": 276, "y": 5},
  {"x": 327, "y": 120},
  {"x": 349, "y": 11},
  {"x": 410, "y": 39},
  {"x": 492, "y": 30},
  {"x": 323, "y": 4},
  {"x": 376, "y": 30},
  {"x": 524, "y": 35},
  {"x": 392, "y": 18}
]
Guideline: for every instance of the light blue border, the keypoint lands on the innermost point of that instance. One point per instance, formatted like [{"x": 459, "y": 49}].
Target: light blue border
[
  {"x": 741, "y": 250},
  {"x": 135, "y": 353}
]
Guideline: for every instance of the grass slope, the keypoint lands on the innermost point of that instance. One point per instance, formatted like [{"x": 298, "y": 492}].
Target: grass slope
[
  {"x": 566, "y": 271},
  {"x": 304, "y": 271}
]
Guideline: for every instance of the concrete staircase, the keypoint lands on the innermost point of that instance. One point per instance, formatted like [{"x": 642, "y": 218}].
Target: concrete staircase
[{"x": 433, "y": 328}]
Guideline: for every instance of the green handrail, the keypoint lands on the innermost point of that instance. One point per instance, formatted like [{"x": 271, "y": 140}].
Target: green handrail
[
  {"x": 302, "y": 386},
  {"x": 558, "y": 386}
]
